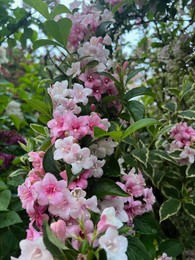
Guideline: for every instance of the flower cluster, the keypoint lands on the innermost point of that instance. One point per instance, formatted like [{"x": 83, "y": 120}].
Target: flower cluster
[
  {"x": 63, "y": 199},
  {"x": 184, "y": 137}
]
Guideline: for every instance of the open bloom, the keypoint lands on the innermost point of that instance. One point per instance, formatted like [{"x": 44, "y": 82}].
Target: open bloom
[
  {"x": 114, "y": 245},
  {"x": 33, "y": 249}
]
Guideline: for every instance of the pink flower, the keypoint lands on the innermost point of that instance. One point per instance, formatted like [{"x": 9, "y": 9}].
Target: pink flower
[
  {"x": 32, "y": 233},
  {"x": 80, "y": 181},
  {"x": 148, "y": 198},
  {"x": 97, "y": 170},
  {"x": 27, "y": 195},
  {"x": 59, "y": 228},
  {"x": 188, "y": 154},
  {"x": 164, "y": 257},
  {"x": 63, "y": 208},
  {"x": 108, "y": 219},
  {"x": 114, "y": 245},
  {"x": 37, "y": 158},
  {"x": 49, "y": 190}
]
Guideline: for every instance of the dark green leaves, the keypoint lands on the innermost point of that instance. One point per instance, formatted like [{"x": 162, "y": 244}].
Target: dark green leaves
[
  {"x": 45, "y": 42},
  {"x": 138, "y": 92},
  {"x": 105, "y": 187},
  {"x": 49, "y": 164},
  {"x": 146, "y": 224},
  {"x": 9, "y": 218},
  {"x": 136, "y": 250}
]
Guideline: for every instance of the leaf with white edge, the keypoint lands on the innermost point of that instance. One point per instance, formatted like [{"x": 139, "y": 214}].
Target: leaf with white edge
[
  {"x": 170, "y": 191},
  {"x": 171, "y": 106},
  {"x": 139, "y": 125},
  {"x": 190, "y": 171},
  {"x": 141, "y": 155},
  {"x": 165, "y": 130},
  {"x": 39, "y": 6},
  {"x": 162, "y": 155},
  {"x": 169, "y": 208},
  {"x": 171, "y": 247},
  {"x": 42, "y": 130},
  {"x": 104, "y": 187},
  {"x": 9, "y": 218},
  {"x": 59, "y": 9},
  {"x": 187, "y": 114},
  {"x": 17, "y": 173},
  {"x": 5, "y": 197},
  {"x": 136, "y": 250},
  {"x": 45, "y": 42},
  {"x": 189, "y": 209}
]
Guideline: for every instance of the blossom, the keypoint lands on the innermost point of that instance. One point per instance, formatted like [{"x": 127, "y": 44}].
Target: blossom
[
  {"x": 188, "y": 154},
  {"x": 34, "y": 249},
  {"x": 59, "y": 228},
  {"x": 3, "y": 58},
  {"x": 14, "y": 108},
  {"x": 63, "y": 147},
  {"x": 49, "y": 190},
  {"x": 164, "y": 257},
  {"x": 79, "y": 94},
  {"x": 79, "y": 158},
  {"x": 114, "y": 245},
  {"x": 108, "y": 219},
  {"x": 75, "y": 69}
]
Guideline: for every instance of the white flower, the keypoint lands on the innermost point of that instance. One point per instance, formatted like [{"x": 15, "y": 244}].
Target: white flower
[
  {"x": 63, "y": 147},
  {"x": 79, "y": 94},
  {"x": 3, "y": 58},
  {"x": 188, "y": 153},
  {"x": 31, "y": 250},
  {"x": 58, "y": 90},
  {"x": 114, "y": 245},
  {"x": 13, "y": 108},
  {"x": 75, "y": 69}
]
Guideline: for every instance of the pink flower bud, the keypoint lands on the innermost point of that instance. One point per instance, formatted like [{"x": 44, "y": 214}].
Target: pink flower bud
[{"x": 59, "y": 228}]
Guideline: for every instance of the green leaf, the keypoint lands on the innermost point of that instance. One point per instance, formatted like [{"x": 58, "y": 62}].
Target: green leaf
[
  {"x": 136, "y": 109},
  {"x": 40, "y": 106},
  {"x": 59, "y": 30},
  {"x": 133, "y": 73},
  {"x": 44, "y": 42},
  {"x": 162, "y": 155},
  {"x": 5, "y": 197},
  {"x": 59, "y": 9},
  {"x": 40, "y": 129},
  {"x": 104, "y": 187},
  {"x": 98, "y": 132},
  {"x": 49, "y": 164},
  {"x": 141, "y": 155},
  {"x": 169, "y": 208},
  {"x": 17, "y": 172},
  {"x": 56, "y": 246},
  {"x": 139, "y": 91},
  {"x": 138, "y": 125},
  {"x": 187, "y": 114},
  {"x": 103, "y": 28},
  {"x": 112, "y": 168},
  {"x": 39, "y": 6},
  {"x": 190, "y": 171},
  {"x": 136, "y": 250},
  {"x": 170, "y": 191},
  {"x": 171, "y": 106},
  {"x": 2, "y": 186},
  {"x": 108, "y": 99},
  {"x": 146, "y": 224},
  {"x": 171, "y": 247},
  {"x": 9, "y": 218},
  {"x": 189, "y": 209}
]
